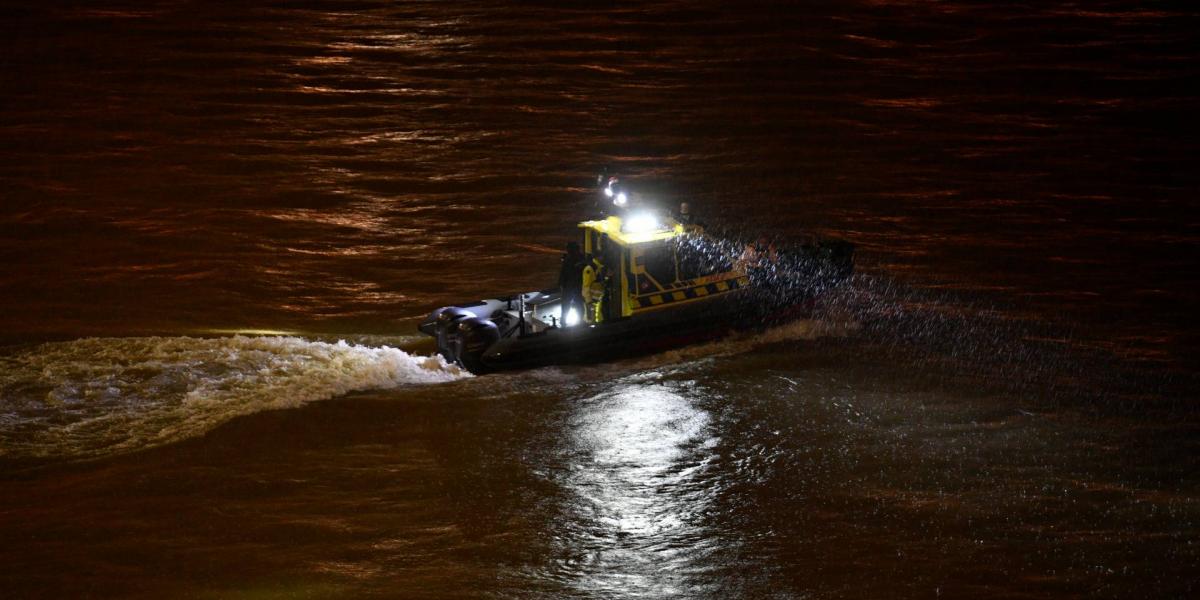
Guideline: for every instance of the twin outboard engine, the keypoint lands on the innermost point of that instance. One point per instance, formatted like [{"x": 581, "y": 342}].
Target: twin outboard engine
[{"x": 463, "y": 337}]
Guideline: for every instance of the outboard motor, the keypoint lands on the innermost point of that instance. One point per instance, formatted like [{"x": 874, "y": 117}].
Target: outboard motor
[
  {"x": 447, "y": 320},
  {"x": 474, "y": 337}
]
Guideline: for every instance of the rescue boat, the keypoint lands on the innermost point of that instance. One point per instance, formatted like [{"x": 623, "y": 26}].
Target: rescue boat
[{"x": 650, "y": 283}]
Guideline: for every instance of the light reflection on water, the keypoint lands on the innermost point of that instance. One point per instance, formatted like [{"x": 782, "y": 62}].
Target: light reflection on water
[{"x": 636, "y": 523}]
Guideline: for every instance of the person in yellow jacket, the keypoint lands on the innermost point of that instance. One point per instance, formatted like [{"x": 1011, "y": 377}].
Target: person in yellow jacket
[{"x": 595, "y": 281}]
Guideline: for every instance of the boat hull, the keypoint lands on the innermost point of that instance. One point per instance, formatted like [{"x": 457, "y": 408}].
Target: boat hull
[
  {"x": 526, "y": 330},
  {"x": 641, "y": 334}
]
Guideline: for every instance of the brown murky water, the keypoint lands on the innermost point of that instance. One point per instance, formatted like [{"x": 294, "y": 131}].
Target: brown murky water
[{"x": 221, "y": 221}]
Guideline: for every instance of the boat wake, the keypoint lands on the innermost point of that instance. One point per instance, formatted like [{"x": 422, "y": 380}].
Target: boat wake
[
  {"x": 102, "y": 396},
  {"x": 804, "y": 329},
  {"x": 741, "y": 343}
]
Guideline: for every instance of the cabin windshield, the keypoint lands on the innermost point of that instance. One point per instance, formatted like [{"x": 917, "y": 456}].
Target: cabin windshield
[{"x": 658, "y": 267}]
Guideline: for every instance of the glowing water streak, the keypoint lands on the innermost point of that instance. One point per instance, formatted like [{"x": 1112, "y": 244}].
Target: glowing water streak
[{"x": 639, "y": 494}]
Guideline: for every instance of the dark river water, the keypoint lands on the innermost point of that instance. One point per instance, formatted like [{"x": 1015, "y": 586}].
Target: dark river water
[{"x": 221, "y": 222}]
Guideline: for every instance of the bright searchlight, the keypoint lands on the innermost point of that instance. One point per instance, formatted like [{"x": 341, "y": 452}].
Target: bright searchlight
[
  {"x": 572, "y": 318},
  {"x": 621, "y": 199},
  {"x": 641, "y": 223}
]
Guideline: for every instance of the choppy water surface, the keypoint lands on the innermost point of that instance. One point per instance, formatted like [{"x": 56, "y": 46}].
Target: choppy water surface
[{"x": 220, "y": 221}]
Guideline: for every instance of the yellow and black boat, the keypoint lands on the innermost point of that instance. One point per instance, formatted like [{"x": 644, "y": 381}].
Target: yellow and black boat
[{"x": 647, "y": 283}]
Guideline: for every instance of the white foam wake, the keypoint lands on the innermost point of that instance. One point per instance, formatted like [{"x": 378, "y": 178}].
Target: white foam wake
[{"x": 99, "y": 396}]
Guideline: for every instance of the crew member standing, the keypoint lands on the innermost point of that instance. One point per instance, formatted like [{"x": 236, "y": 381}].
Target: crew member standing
[
  {"x": 570, "y": 279},
  {"x": 596, "y": 282}
]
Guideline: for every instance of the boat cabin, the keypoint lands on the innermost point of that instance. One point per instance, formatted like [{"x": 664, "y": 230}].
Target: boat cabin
[{"x": 640, "y": 263}]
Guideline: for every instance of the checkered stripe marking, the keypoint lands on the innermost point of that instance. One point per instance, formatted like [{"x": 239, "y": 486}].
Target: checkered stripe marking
[{"x": 691, "y": 293}]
